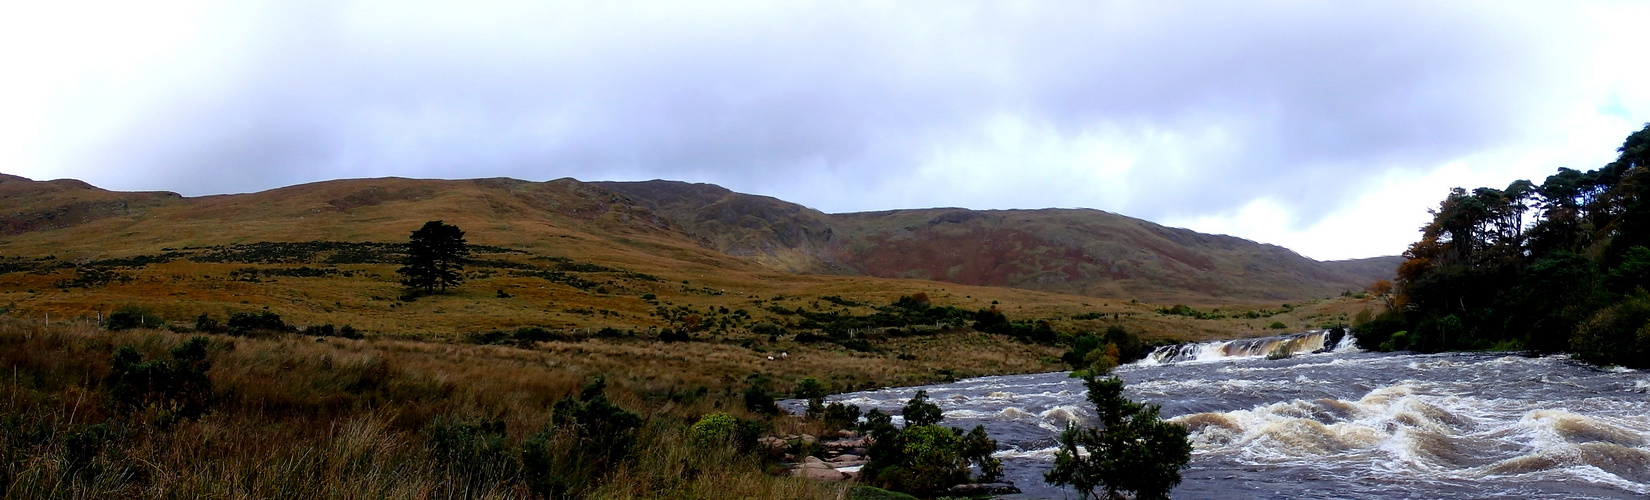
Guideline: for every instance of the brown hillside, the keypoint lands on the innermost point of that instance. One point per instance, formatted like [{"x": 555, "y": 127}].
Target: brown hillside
[{"x": 1085, "y": 252}]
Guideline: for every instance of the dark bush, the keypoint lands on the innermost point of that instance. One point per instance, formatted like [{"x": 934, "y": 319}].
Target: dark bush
[
  {"x": 759, "y": 401},
  {"x": 588, "y": 436},
  {"x": 178, "y": 386},
  {"x": 924, "y": 458},
  {"x": 841, "y": 416},
  {"x": 131, "y": 316},
  {"x": 259, "y": 323},
  {"x": 475, "y": 453},
  {"x": 205, "y": 324}
]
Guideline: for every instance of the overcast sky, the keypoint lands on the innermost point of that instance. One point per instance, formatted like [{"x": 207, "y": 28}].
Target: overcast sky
[{"x": 1326, "y": 127}]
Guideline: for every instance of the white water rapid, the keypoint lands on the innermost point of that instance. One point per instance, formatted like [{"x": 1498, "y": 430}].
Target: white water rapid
[{"x": 1341, "y": 423}]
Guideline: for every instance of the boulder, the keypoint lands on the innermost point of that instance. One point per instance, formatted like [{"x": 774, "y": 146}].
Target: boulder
[
  {"x": 816, "y": 469},
  {"x": 847, "y": 460},
  {"x": 845, "y": 444},
  {"x": 772, "y": 443}
]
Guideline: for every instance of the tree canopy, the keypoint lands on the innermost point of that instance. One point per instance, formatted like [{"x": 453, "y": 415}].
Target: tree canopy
[
  {"x": 1559, "y": 266},
  {"x": 435, "y": 257}
]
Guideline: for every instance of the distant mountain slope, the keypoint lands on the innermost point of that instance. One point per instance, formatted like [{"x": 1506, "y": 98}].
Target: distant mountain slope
[
  {"x": 697, "y": 228},
  {"x": 1087, "y": 252}
]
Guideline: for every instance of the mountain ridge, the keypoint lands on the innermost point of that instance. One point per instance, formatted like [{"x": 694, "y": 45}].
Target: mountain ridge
[
  {"x": 696, "y": 226},
  {"x": 1027, "y": 248}
]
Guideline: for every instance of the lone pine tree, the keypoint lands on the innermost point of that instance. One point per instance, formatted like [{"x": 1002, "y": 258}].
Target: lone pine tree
[{"x": 435, "y": 257}]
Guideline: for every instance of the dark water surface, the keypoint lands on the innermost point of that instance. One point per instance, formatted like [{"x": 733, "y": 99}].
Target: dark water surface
[{"x": 1343, "y": 424}]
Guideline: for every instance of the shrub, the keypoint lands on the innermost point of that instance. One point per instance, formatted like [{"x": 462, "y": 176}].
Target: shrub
[
  {"x": 1277, "y": 325},
  {"x": 206, "y": 324},
  {"x": 131, "y": 316},
  {"x": 1133, "y": 450},
  {"x": 759, "y": 401},
  {"x": 177, "y": 387},
  {"x": 714, "y": 429},
  {"x": 918, "y": 411},
  {"x": 809, "y": 388},
  {"x": 673, "y": 335},
  {"x": 841, "y": 416},
  {"x": 589, "y": 436},
  {"x": 475, "y": 453},
  {"x": 532, "y": 334},
  {"x": 924, "y": 458},
  {"x": 250, "y": 324}
]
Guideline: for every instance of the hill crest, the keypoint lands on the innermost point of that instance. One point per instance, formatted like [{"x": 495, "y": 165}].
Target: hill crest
[{"x": 706, "y": 227}]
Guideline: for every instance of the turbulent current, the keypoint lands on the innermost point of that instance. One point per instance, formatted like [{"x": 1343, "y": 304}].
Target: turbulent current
[{"x": 1339, "y": 422}]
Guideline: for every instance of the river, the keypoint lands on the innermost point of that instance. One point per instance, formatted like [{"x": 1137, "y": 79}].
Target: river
[{"x": 1340, "y": 423}]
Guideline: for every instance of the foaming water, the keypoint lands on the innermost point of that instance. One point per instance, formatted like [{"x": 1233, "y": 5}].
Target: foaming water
[
  {"x": 1342, "y": 423},
  {"x": 1318, "y": 341}
]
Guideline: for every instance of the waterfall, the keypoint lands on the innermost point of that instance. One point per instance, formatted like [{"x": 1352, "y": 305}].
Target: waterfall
[{"x": 1299, "y": 343}]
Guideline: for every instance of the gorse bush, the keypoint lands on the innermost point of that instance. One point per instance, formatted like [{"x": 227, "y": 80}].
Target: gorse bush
[{"x": 715, "y": 428}]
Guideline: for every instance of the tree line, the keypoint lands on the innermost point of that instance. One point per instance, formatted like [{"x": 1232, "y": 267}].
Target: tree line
[{"x": 1559, "y": 266}]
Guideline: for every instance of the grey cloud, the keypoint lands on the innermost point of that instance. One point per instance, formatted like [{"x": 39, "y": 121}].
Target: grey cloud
[{"x": 1312, "y": 97}]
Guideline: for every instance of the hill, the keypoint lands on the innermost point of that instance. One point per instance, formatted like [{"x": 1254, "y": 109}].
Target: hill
[
  {"x": 642, "y": 258},
  {"x": 1083, "y": 252}
]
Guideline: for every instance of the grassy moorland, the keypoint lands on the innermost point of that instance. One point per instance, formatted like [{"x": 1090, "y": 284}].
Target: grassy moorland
[
  {"x": 318, "y": 375},
  {"x": 292, "y": 417}
]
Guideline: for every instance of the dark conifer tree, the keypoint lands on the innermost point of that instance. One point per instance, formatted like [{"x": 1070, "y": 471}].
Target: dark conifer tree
[{"x": 435, "y": 257}]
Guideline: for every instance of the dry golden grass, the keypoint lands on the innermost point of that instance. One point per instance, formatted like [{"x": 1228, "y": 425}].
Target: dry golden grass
[{"x": 336, "y": 419}]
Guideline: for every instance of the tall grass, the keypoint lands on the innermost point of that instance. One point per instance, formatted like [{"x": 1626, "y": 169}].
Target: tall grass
[{"x": 292, "y": 417}]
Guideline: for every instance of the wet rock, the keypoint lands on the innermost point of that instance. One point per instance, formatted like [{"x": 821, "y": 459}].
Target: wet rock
[
  {"x": 846, "y": 444},
  {"x": 978, "y": 489},
  {"x": 847, "y": 460},
  {"x": 816, "y": 469}
]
